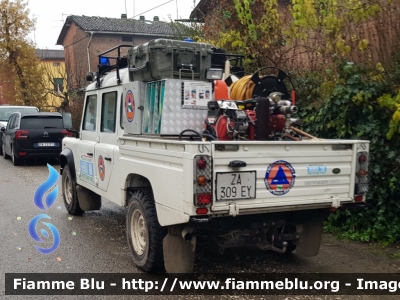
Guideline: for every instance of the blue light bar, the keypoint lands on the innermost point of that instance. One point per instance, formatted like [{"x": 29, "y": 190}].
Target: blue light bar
[{"x": 104, "y": 61}]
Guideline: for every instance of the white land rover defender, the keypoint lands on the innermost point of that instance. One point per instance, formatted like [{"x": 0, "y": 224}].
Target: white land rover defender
[{"x": 157, "y": 138}]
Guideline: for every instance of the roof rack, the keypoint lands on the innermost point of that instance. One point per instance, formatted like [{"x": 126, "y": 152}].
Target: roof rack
[{"x": 105, "y": 66}]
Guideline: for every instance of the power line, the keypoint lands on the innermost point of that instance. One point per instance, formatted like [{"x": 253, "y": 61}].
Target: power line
[{"x": 152, "y": 9}]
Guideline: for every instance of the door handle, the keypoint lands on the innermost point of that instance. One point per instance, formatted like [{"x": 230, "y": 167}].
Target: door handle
[
  {"x": 90, "y": 154},
  {"x": 107, "y": 158}
]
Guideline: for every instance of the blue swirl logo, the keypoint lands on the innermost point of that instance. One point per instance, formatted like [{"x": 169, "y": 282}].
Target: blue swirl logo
[{"x": 44, "y": 205}]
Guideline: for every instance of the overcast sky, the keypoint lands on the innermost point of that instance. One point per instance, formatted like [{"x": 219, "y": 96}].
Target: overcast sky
[{"x": 51, "y": 14}]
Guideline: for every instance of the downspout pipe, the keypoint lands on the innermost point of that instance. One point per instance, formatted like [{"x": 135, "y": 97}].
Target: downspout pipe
[{"x": 88, "y": 46}]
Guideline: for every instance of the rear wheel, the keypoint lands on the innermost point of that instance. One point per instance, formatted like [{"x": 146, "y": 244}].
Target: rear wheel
[
  {"x": 69, "y": 193},
  {"x": 16, "y": 161},
  {"x": 291, "y": 246},
  {"x": 144, "y": 233},
  {"x": 3, "y": 147}
]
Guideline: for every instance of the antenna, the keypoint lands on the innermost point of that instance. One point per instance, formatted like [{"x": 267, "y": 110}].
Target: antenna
[
  {"x": 34, "y": 29},
  {"x": 126, "y": 11},
  {"x": 65, "y": 15},
  {"x": 152, "y": 8},
  {"x": 177, "y": 15}
]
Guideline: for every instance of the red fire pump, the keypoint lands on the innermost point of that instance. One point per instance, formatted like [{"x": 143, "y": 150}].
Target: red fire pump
[{"x": 265, "y": 116}]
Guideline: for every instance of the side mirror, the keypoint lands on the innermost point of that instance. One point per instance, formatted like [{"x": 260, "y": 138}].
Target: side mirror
[
  {"x": 67, "y": 120},
  {"x": 3, "y": 129}
]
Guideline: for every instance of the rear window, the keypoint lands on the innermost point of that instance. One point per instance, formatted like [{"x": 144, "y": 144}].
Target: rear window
[
  {"x": 41, "y": 122},
  {"x": 5, "y": 112}
]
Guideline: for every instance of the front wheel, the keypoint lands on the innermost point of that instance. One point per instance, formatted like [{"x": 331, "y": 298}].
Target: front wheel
[
  {"x": 144, "y": 233},
  {"x": 69, "y": 193}
]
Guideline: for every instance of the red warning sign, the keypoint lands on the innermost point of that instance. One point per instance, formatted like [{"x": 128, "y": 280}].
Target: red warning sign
[
  {"x": 129, "y": 106},
  {"x": 102, "y": 168}
]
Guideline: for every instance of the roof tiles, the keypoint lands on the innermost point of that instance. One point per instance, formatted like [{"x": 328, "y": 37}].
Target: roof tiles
[{"x": 122, "y": 25}]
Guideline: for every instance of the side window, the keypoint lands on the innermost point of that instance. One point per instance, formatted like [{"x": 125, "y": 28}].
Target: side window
[
  {"x": 89, "y": 121},
  {"x": 10, "y": 122},
  {"x": 16, "y": 122},
  {"x": 108, "y": 112}
]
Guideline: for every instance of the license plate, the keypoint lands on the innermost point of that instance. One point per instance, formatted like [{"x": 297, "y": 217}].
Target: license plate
[
  {"x": 46, "y": 144},
  {"x": 236, "y": 185}
]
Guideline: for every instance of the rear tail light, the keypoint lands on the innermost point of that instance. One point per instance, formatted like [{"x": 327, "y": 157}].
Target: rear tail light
[
  {"x": 202, "y": 211},
  {"x": 358, "y": 198},
  {"x": 202, "y": 183},
  {"x": 362, "y": 177},
  {"x": 21, "y": 134},
  {"x": 204, "y": 199},
  {"x": 66, "y": 133},
  {"x": 21, "y": 153},
  {"x": 201, "y": 163},
  {"x": 202, "y": 180},
  {"x": 362, "y": 158}
]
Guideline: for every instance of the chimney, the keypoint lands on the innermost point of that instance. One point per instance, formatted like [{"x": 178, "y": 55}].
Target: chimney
[
  {"x": 142, "y": 18},
  {"x": 156, "y": 19},
  {"x": 123, "y": 16}
]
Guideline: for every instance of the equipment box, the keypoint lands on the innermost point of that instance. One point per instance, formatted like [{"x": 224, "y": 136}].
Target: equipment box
[
  {"x": 169, "y": 59},
  {"x": 173, "y": 105}
]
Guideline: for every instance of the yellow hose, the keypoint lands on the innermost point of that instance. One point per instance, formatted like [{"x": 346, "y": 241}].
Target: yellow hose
[{"x": 242, "y": 89}]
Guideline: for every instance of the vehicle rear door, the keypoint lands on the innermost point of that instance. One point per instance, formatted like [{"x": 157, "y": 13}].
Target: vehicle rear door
[
  {"x": 85, "y": 163},
  {"x": 104, "y": 150},
  {"x": 8, "y": 133},
  {"x": 41, "y": 132}
]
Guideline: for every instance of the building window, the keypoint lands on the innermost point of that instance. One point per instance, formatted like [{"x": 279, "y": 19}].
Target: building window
[
  {"x": 126, "y": 38},
  {"x": 58, "y": 84},
  {"x": 56, "y": 64}
]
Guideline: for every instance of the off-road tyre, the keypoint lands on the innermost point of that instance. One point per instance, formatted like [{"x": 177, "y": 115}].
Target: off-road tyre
[
  {"x": 69, "y": 193},
  {"x": 290, "y": 247},
  {"x": 144, "y": 233}
]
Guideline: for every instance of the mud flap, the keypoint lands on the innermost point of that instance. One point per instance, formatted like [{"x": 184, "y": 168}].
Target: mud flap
[
  {"x": 309, "y": 238},
  {"x": 88, "y": 200},
  {"x": 178, "y": 254}
]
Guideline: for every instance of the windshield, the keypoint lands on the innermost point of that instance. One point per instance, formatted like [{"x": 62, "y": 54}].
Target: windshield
[{"x": 5, "y": 112}]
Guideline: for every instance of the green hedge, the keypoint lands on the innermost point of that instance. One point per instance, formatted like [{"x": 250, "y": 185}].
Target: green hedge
[{"x": 356, "y": 103}]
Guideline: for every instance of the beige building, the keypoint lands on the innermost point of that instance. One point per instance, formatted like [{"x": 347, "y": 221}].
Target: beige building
[{"x": 54, "y": 76}]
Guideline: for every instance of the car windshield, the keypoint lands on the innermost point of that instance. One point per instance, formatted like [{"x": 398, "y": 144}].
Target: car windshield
[
  {"x": 41, "y": 122},
  {"x": 5, "y": 112}
]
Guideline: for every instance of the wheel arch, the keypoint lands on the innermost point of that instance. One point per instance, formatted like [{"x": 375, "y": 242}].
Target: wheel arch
[
  {"x": 136, "y": 182},
  {"x": 67, "y": 157}
]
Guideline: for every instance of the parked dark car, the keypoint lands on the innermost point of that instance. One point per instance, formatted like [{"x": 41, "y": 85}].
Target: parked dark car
[
  {"x": 29, "y": 136},
  {"x": 6, "y": 111}
]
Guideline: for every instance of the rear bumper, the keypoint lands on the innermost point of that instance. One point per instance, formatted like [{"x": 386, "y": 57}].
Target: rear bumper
[{"x": 37, "y": 153}]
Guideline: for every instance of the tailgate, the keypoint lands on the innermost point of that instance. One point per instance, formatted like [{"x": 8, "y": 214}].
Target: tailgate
[
  {"x": 282, "y": 174},
  {"x": 41, "y": 132}
]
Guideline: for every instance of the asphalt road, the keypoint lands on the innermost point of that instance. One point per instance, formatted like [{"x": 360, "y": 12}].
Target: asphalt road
[{"x": 96, "y": 243}]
